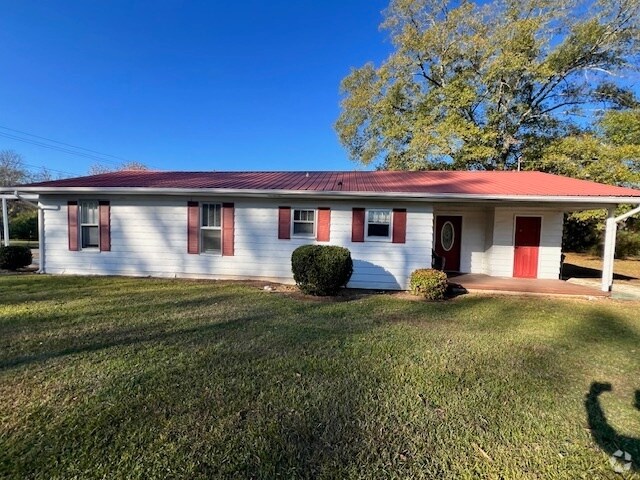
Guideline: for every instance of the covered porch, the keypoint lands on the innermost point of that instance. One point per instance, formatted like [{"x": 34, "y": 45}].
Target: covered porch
[
  {"x": 515, "y": 245},
  {"x": 479, "y": 282}
]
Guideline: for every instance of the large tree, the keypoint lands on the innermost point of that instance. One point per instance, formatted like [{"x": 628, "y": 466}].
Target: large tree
[{"x": 472, "y": 86}]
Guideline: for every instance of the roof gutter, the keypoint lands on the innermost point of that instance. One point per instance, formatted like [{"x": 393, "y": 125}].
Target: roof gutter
[{"x": 406, "y": 196}]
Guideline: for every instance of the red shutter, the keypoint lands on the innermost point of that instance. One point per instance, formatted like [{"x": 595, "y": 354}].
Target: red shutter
[
  {"x": 357, "y": 225},
  {"x": 227, "y": 229},
  {"x": 193, "y": 234},
  {"x": 72, "y": 224},
  {"x": 324, "y": 224},
  {"x": 104, "y": 214},
  {"x": 399, "y": 225},
  {"x": 284, "y": 223}
]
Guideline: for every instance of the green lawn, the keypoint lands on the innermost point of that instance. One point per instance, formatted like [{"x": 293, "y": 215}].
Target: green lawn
[{"x": 142, "y": 378}]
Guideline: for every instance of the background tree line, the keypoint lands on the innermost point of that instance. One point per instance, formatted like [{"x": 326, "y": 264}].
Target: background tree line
[{"x": 544, "y": 85}]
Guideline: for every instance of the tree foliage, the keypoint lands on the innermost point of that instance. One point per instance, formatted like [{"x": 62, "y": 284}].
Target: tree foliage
[
  {"x": 608, "y": 153},
  {"x": 24, "y": 225},
  {"x": 472, "y": 86}
]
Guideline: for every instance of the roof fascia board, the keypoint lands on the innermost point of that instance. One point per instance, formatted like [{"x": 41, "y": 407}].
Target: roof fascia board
[{"x": 405, "y": 196}]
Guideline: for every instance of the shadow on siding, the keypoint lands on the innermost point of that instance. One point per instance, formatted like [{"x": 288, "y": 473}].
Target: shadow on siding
[{"x": 366, "y": 272}]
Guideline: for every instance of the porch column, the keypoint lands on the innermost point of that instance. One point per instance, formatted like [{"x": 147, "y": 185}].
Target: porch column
[
  {"x": 609, "y": 251},
  {"x": 5, "y": 221},
  {"x": 40, "y": 239}
]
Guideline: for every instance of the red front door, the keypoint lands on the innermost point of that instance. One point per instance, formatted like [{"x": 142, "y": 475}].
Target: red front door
[
  {"x": 527, "y": 244},
  {"x": 448, "y": 240}
]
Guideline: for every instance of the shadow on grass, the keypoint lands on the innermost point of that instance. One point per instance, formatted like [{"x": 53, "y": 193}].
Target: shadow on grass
[
  {"x": 123, "y": 337},
  {"x": 570, "y": 270},
  {"x": 607, "y": 438}
]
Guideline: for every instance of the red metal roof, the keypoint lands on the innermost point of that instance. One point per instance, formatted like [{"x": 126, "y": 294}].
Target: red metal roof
[{"x": 496, "y": 183}]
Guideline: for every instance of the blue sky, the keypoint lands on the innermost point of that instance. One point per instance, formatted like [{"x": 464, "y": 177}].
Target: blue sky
[{"x": 249, "y": 85}]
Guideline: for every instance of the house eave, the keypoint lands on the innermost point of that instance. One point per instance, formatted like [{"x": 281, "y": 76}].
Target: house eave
[{"x": 328, "y": 195}]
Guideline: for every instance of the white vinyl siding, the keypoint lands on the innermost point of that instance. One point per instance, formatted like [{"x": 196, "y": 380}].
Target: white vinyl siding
[{"x": 149, "y": 238}]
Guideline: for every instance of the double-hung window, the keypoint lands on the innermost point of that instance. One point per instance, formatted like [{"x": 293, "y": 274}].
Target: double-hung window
[
  {"x": 304, "y": 222},
  {"x": 379, "y": 224},
  {"x": 211, "y": 228},
  {"x": 89, "y": 226}
]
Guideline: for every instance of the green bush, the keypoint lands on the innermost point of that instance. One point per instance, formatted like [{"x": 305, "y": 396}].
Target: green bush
[
  {"x": 14, "y": 257},
  {"x": 321, "y": 269},
  {"x": 24, "y": 225},
  {"x": 580, "y": 234},
  {"x": 428, "y": 283},
  {"x": 627, "y": 244}
]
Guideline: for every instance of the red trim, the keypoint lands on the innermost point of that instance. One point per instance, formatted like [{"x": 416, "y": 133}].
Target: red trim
[
  {"x": 227, "y": 229},
  {"x": 284, "y": 223},
  {"x": 72, "y": 225},
  {"x": 399, "y": 233},
  {"x": 357, "y": 225},
  {"x": 193, "y": 234},
  {"x": 104, "y": 214},
  {"x": 324, "y": 224}
]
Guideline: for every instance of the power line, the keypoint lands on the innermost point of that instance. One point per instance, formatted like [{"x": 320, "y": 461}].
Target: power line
[
  {"x": 99, "y": 157},
  {"x": 54, "y": 147},
  {"x": 42, "y": 167},
  {"x": 66, "y": 144}
]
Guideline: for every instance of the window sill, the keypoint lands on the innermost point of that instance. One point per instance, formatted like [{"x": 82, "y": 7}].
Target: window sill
[
  {"x": 378, "y": 239},
  {"x": 305, "y": 237}
]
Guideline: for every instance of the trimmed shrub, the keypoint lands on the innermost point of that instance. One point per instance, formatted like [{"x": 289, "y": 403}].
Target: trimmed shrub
[
  {"x": 321, "y": 269},
  {"x": 428, "y": 283},
  {"x": 14, "y": 257}
]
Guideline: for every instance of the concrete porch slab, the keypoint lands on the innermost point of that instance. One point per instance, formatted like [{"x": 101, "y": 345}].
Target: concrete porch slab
[{"x": 476, "y": 282}]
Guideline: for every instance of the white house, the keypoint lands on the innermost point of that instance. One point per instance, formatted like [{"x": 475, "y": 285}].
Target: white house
[{"x": 245, "y": 225}]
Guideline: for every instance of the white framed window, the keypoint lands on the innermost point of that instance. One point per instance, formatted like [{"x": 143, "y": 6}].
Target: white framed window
[
  {"x": 378, "y": 224},
  {"x": 304, "y": 222},
  {"x": 211, "y": 228},
  {"x": 89, "y": 224}
]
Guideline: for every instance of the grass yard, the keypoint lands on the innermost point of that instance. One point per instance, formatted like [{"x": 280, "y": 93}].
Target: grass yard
[{"x": 142, "y": 378}]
